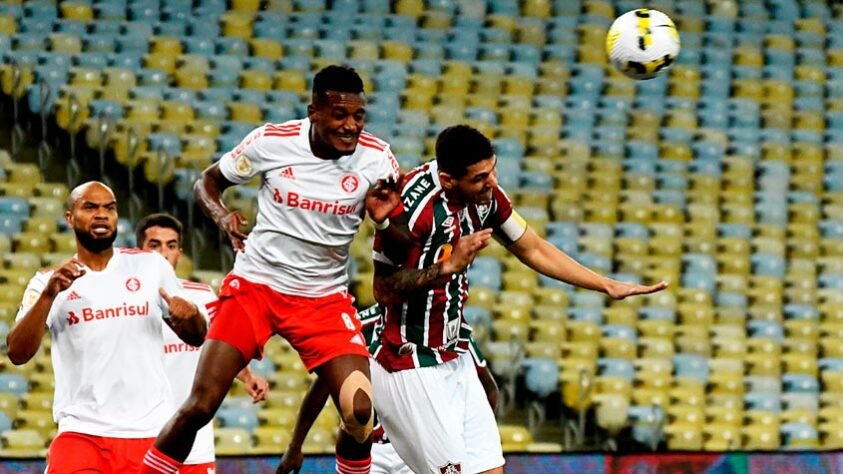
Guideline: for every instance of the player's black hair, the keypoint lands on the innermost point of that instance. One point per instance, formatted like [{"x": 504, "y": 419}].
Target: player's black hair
[
  {"x": 159, "y": 219},
  {"x": 459, "y": 147},
  {"x": 338, "y": 79}
]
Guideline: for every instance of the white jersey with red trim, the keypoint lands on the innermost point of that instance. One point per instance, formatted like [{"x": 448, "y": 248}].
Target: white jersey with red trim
[
  {"x": 180, "y": 361},
  {"x": 309, "y": 208},
  {"x": 106, "y": 332}
]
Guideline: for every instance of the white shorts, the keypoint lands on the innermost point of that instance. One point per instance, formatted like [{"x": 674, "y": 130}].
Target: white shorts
[
  {"x": 386, "y": 461},
  {"x": 438, "y": 417}
]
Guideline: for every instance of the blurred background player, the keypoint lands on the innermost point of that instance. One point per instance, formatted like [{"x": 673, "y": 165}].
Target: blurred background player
[
  {"x": 320, "y": 176},
  {"x": 162, "y": 233},
  {"x": 104, "y": 309},
  {"x": 436, "y": 417},
  {"x": 384, "y": 458}
]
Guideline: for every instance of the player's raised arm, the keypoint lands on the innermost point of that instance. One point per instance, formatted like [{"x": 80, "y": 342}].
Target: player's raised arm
[
  {"x": 185, "y": 319},
  {"x": 25, "y": 337},
  {"x": 208, "y": 190},
  {"x": 392, "y": 284},
  {"x": 543, "y": 257}
]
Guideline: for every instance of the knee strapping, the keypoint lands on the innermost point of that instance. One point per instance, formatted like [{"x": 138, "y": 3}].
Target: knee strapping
[{"x": 356, "y": 381}]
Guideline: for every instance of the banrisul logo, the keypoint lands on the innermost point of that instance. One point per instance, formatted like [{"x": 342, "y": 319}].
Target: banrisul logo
[{"x": 97, "y": 314}]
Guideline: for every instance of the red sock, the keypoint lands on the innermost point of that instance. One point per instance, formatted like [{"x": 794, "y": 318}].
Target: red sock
[
  {"x": 156, "y": 462},
  {"x": 346, "y": 466}
]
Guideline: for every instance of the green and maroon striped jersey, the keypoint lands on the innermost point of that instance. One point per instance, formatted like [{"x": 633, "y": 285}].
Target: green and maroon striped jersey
[{"x": 428, "y": 328}]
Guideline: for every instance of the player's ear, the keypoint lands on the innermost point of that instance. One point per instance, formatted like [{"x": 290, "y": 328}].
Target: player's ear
[
  {"x": 447, "y": 181},
  {"x": 311, "y": 110},
  {"x": 68, "y": 218}
]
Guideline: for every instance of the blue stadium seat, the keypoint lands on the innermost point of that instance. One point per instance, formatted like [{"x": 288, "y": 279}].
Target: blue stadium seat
[
  {"x": 541, "y": 376},
  {"x": 13, "y": 383}
]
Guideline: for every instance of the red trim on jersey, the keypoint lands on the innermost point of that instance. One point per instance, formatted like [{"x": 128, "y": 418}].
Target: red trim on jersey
[
  {"x": 131, "y": 251},
  {"x": 369, "y": 144},
  {"x": 283, "y": 127},
  {"x": 374, "y": 138},
  {"x": 275, "y": 134},
  {"x": 192, "y": 285}
]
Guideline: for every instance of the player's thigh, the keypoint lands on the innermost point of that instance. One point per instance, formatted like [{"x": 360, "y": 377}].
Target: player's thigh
[
  {"x": 385, "y": 460},
  {"x": 320, "y": 329},
  {"x": 482, "y": 438},
  {"x": 76, "y": 453},
  {"x": 421, "y": 416},
  {"x": 204, "y": 468}
]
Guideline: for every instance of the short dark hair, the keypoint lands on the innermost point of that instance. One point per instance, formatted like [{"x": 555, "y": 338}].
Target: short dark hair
[
  {"x": 338, "y": 79},
  {"x": 459, "y": 147},
  {"x": 159, "y": 219}
]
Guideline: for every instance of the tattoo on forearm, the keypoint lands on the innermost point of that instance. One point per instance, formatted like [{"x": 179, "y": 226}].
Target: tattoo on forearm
[{"x": 408, "y": 280}]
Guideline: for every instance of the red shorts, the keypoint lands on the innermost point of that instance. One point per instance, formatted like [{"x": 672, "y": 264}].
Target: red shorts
[
  {"x": 78, "y": 452},
  {"x": 204, "y": 468},
  {"x": 319, "y": 329}
]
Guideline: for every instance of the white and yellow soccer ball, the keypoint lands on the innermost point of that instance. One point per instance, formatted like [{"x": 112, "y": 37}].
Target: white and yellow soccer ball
[{"x": 642, "y": 42}]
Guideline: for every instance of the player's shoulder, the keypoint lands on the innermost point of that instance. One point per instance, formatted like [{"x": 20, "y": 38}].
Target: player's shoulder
[
  {"x": 371, "y": 143},
  {"x": 420, "y": 185},
  {"x": 282, "y": 131},
  {"x": 196, "y": 286}
]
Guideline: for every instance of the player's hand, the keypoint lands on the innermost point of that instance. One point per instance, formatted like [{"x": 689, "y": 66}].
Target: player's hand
[
  {"x": 620, "y": 290},
  {"x": 179, "y": 308},
  {"x": 291, "y": 461},
  {"x": 231, "y": 224},
  {"x": 383, "y": 198},
  {"x": 258, "y": 388},
  {"x": 465, "y": 251},
  {"x": 62, "y": 278}
]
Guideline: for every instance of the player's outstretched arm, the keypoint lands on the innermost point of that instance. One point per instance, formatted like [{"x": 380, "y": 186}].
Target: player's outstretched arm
[
  {"x": 543, "y": 257},
  {"x": 311, "y": 406},
  {"x": 185, "y": 319},
  {"x": 393, "y": 285},
  {"x": 208, "y": 191},
  {"x": 25, "y": 337}
]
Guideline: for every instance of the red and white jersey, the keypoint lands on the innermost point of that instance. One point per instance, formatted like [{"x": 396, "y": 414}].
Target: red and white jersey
[
  {"x": 106, "y": 332},
  {"x": 309, "y": 208},
  {"x": 180, "y": 361}
]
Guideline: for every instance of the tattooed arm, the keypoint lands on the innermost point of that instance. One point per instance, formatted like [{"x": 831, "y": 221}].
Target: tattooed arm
[{"x": 394, "y": 285}]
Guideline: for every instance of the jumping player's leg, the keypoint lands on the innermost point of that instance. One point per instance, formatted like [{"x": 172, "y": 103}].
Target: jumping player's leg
[
  {"x": 219, "y": 363},
  {"x": 230, "y": 345},
  {"x": 347, "y": 378}
]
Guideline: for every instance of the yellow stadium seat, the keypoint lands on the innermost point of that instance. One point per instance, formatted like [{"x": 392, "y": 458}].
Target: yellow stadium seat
[
  {"x": 269, "y": 440},
  {"x": 245, "y": 112},
  {"x": 515, "y": 438},
  {"x": 65, "y": 43},
  {"x": 257, "y": 80},
  {"x": 232, "y": 441},
  {"x": 397, "y": 50},
  {"x": 8, "y": 25},
  {"x": 23, "y": 443},
  {"x": 76, "y": 11},
  {"x": 290, "y": 80},
  {"x": 165, "y": 45},
  {"x": 189, "y": 78},
  {"x": 237, "y": 24}
]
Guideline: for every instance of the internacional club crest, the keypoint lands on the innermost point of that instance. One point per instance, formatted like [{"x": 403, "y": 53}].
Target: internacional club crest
[
  {"x": 133, "y": 284},
  {"x": 349, "y": 183}
]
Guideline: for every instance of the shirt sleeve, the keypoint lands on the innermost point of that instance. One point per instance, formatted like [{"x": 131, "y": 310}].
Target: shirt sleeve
[
  {"x": 33, "y": 291},
  {"x": 170, "y": 283},
  {"x": 507, "y": 225},
  {"x": 476, "y": 353},
  {"x": 247, "y": 160},
  {"x": 420, "y": 225}
]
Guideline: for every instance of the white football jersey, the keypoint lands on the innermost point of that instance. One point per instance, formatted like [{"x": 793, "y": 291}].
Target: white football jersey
[
  {"x": 106, "y": 332},
  {"x": 309, "y": 208},
  {"x": 180, "y": 361}
]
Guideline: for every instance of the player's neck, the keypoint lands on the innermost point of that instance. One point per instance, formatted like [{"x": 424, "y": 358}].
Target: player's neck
[
  {"x": 320, "y": 150},
  {"x": 96, "y": 261}
]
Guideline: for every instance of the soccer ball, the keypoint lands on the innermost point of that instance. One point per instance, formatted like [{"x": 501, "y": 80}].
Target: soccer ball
[{"x": 642, "y": 42}]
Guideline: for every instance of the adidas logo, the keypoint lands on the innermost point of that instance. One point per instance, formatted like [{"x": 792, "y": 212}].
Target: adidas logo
[
  {"x": 357, "y": 339},
  {"x": 73, "y": 296},
  {"x": 287, "y": 173}
]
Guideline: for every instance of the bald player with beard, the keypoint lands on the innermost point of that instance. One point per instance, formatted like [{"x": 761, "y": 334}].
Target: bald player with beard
[{"x": 105, "y": 309}]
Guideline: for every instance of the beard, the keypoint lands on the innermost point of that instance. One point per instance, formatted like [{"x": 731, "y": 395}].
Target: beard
[{"x": 95, "y": 244}]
